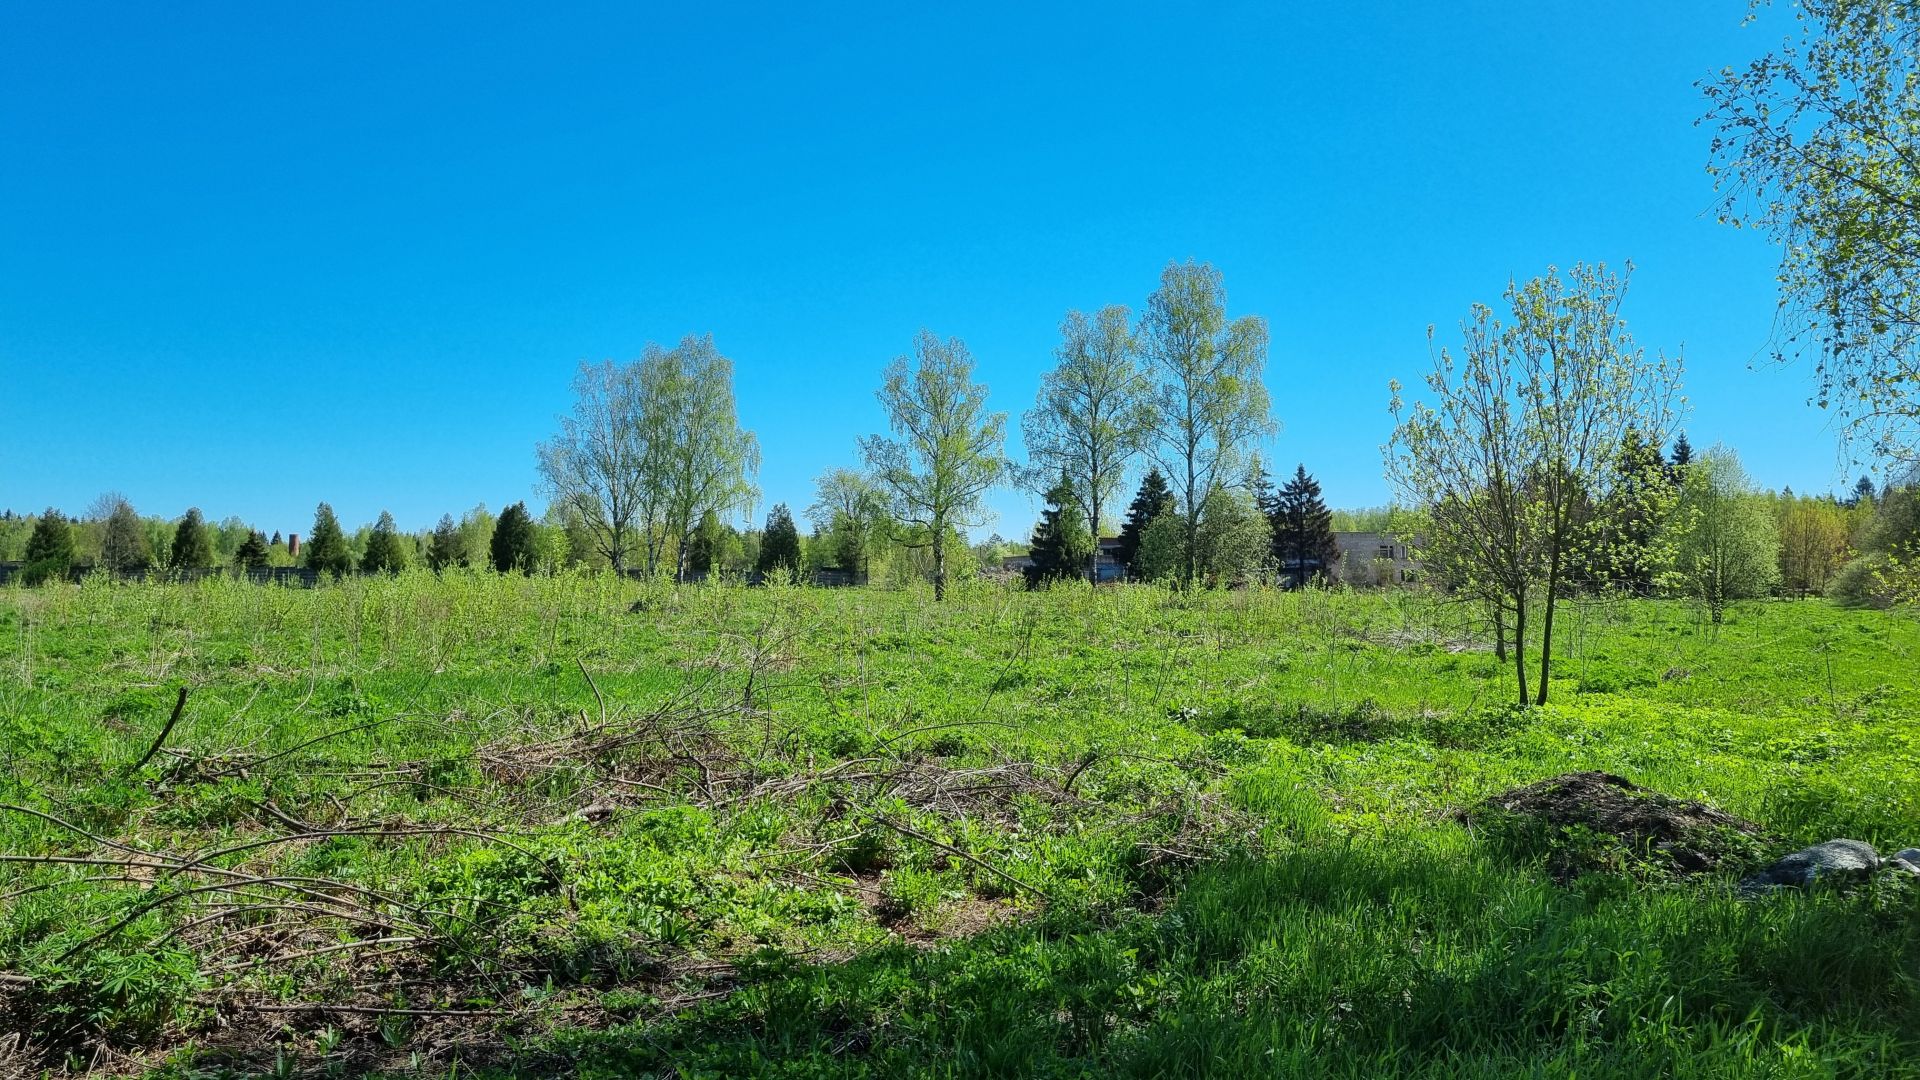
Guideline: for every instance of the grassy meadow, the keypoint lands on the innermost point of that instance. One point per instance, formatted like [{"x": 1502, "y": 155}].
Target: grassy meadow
[{"x": 583, "y": 826}]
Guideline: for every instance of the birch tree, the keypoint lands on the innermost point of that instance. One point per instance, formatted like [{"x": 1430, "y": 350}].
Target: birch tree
[
  {"x": 598, "y": 466},
  {"x": 1210, "y": 405},
  {"x": 1093, "y": 416},
  {"x": 1818, "y": 146},
  {"x": 701, "y": 460},
  {"x": 947, "y": 450}
]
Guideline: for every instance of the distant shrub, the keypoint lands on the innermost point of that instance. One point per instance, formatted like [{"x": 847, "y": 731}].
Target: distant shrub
[{"x": 1862, "y": 583}]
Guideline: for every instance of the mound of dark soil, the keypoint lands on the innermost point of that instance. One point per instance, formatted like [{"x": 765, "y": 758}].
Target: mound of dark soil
[{"x": 1586, "y": 821}]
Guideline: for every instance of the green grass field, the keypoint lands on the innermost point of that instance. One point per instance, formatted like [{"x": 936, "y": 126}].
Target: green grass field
[{"x": 560, "y": 826}]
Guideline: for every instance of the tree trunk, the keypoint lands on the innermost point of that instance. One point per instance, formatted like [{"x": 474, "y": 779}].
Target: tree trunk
[
  {"x": 1546, "y": 638},
  {"x": 1093, "y": 564},
  {"x": 1193, "y": 524},
  {"x": 939, "y": 564},
  {"x": 1500, "y": 631},
  {"x": 1520, "y": 644}
]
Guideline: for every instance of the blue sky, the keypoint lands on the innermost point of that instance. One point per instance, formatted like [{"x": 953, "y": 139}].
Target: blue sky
[{"x": 254, "y": 256}]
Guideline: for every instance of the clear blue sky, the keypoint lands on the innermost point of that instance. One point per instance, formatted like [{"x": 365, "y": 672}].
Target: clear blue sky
[{"x": 253, "y": 256}]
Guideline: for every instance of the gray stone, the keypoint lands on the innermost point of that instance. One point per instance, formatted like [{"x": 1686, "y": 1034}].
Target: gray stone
[
  {"x": 1907, "y": 861},
  {"x": 1911, "y": 855},
  {"x": 1835, "y": 859}
]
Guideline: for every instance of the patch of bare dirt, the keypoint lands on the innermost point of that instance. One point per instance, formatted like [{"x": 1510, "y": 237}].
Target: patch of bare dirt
[{"x": 1587, "y": 821}]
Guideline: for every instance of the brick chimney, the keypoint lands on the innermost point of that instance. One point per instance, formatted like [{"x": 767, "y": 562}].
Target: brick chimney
[{"x": 293, "y": 545}]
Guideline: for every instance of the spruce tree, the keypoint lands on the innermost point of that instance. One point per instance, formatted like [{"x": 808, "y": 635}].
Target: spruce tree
[
  {"x": 252, "y": 554},
  {"x": 1303, "y": 544},
  {"x": 1682, "y": 451},
  {"x": 513, "y": 547},
  {"x": 1153, "y": 500},
  {"x": 779, "y": 544},
  {"x": 277, "y": 539},
  {"x": 1863, "y": 492},
  {"x": 191, "y": 549},
  {"x": 1060, "y": 546},
  {"x": 383, "y": 554},
  {"x": 327, "y": 544},
  {"x": 50, "y": 548},
  {"x": 444, "y": 548}
]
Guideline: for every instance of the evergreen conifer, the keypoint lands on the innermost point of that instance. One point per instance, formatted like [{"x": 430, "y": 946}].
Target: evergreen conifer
[
  {"x": 513, "y": 547},
  {"x": 779, "y": 544},
  {"x": 327, "y": 544},
  {"x": 1303, "y": 544},
  {"x": 383, "y": 554},
  {"x": 191, "y": 549},
  {"x": 1060, "y": 546},
  {"x": 1153, "y": 500}
]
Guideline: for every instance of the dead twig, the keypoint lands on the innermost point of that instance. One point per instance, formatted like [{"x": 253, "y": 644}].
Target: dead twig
[
  {"x": 179, "y": 706},
  {"x": 951, "y": 850}
]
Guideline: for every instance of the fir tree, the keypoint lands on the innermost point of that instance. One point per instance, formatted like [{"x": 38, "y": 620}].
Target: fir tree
[
  {"x": 512, "y": 546},
  {"x": 277, "y": 539},
  {"x": 1153, "y": 500},
  {"x": 1862, "y": 492},
  {"x": 1303, "y": 544},
  {"x": 444, "y": 548},
  {"x": 779, "y": 544},
  {"x": 1682, "y": 451},
  {"x": 383, "y": 554},
  {"x": 252, "y": 554},
  {"x": 1060, "y": 547},
  {"x": 191, "y": 549},
  {"x": 327, "y": 544},
  {"x": 50, "y": 548}
]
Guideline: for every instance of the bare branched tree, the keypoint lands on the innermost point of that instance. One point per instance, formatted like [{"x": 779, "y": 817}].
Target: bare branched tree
[{"x": 598, "y": 466}]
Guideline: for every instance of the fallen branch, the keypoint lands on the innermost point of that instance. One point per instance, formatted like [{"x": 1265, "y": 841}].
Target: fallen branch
[
  {"x": 179, "y": 706},
  {"x": 951, "y": 850}
]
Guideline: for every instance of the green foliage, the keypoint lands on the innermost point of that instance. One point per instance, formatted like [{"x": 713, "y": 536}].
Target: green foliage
[
  {"x": 49, "y": 550},
  {"x": 1235, "y": 539},
  {"x": 1815, "y": 147},
  {"x": 1061, "y": 547},
  {"x": 124, "y": 547},
  {"x": 1515, "y": 463},
  {"x": 1210, "y": 403},
  {"x": 191, "y": 549},
  {"x": 513, "y": 546},
  {"x": 779, "y": 545},
  {"x": 1153, "y": 501},
  {"x": 851, "y": 509},
  {"x": 707, "y": 548},
  {"x": 1303, "y": 545},
  {"x": 1093, "y": 415},
  {"x": 948, "y": 450},
  {"x": 326, "y": 547},
  {"x": 1729, "y": 545},
  {"x": 444, "y": 548},
  {"x": 384, "y": 553},
  {"x": 253, "y": 553},
  {"x": 1162, "y": 553}
]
